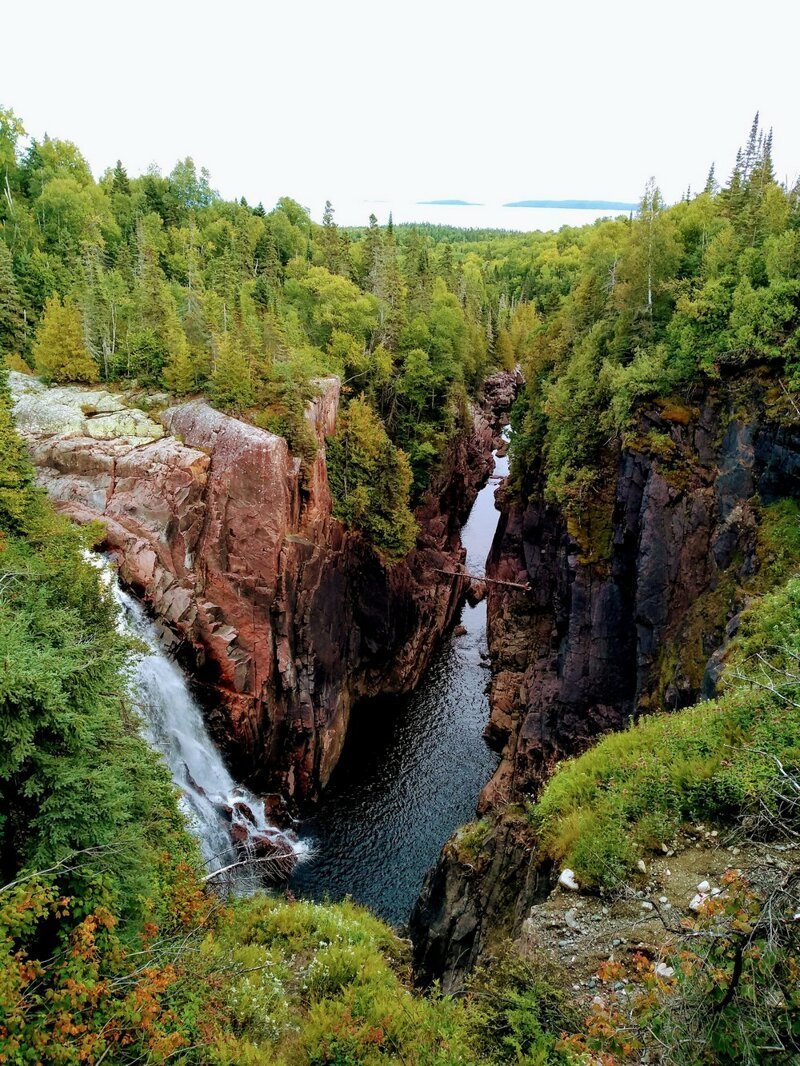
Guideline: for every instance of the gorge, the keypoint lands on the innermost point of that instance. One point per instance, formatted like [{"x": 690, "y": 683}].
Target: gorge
[
  {"x": 438, "y": 699},
  {"x": 259, "y": 590}
]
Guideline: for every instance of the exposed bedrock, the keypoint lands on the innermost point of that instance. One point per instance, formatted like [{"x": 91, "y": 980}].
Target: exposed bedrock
[
  {"x": 286, "y": 618},
  {"x": 629, "y": 610}
]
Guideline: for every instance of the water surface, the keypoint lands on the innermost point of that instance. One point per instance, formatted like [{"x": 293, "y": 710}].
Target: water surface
[{"x": 412, "y": 768}]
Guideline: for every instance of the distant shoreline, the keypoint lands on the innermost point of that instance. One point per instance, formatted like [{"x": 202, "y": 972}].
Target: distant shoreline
[
  {"x": 450, "y": 203},
  {"x": 577, "y": 205}
]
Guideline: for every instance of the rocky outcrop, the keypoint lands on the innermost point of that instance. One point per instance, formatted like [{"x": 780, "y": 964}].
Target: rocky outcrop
[
  {"x": 629, "y": 603},
  {"x": 286, "y": 617},
  {"x": 499, "y": 393}
]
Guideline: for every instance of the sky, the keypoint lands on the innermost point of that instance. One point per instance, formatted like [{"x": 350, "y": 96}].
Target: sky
[{"x": 490, "y": 102}]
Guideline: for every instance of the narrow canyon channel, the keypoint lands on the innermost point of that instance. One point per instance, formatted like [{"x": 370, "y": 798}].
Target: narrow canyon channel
[
  {"x": 412, "y": 768},
  {"x": 410, "y": 773}
]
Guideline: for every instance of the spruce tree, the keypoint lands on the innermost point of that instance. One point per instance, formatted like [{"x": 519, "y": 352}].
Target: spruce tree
[
  {"x": 231, "y": 381},
  {"x": 12, "y": 321},
  {"x": 59, "y": 351}
]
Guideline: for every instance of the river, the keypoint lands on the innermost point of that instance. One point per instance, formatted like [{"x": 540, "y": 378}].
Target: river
[
  {"x": 412, "y": 767},
  {"x": 409, "y": 775}
]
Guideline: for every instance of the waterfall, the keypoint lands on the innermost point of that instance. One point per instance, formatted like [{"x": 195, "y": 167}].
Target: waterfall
[{"x": 239, "y": 846}]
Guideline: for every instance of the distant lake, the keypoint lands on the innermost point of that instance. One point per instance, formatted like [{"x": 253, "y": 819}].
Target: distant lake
[{"x": 475, "y": 216}]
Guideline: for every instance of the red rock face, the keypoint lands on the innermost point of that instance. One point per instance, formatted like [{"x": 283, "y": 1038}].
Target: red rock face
[{"x": 285, "y": 618}]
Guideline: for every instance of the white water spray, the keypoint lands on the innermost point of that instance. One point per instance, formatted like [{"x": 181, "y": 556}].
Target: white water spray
[{"x": 239, "y": 846}]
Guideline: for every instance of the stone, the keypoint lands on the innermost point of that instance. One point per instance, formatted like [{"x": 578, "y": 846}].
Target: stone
[
  {"x": 704, "y": 886},
  {"x": 289, "y": 618},
  {"x": 641, "y": 866},
  {"x": 568, "y": 880},
  {"x": 662, "y": 970},
  {"x": 697, "y": 901},
  {"x": 571, "y": 921}
]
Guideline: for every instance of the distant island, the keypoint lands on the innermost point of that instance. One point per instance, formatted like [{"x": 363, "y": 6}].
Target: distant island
[
  {"x": 580, "y": 205},
  {"x": 450, "y": 203}
]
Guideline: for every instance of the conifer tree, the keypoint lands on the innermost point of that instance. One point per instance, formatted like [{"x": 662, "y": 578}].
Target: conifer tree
[
  {"x": 59, "y": 351},
  {"x": 711, "y": 182},
  {"x": 231, "y": 380},
  {"x": 12, "y": 322}
]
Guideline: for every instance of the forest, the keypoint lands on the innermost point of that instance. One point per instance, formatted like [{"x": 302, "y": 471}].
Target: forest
[{"x": 112, "y": 948}]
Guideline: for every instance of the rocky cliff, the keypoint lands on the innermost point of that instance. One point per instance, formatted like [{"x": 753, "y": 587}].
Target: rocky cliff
[
  {"x": 287, "y": 619},
  {"x": 630, "y": 604}
]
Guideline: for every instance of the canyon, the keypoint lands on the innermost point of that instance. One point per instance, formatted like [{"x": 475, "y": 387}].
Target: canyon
[
  {"x": 288, "y": 621},
  {"x": 284, "y": 618},
  {"x": 629, "y": 611}
]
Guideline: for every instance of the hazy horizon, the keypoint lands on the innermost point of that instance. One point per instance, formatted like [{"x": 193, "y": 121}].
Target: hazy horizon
[{"x": 355, "y": 103}]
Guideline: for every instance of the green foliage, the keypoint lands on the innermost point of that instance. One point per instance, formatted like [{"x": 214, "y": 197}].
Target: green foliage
[
  {"x": 370, "y": 480},
  {"x": 12, "y": 325},
  {"x": 517, "y": 1012},
  {"x": 59, "y": 350},
  {"x": 650, "y": 307},
  {"x": 169, "y": 285}
]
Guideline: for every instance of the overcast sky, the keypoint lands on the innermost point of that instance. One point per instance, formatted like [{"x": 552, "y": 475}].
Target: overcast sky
[{"x": 495, "y": 101}]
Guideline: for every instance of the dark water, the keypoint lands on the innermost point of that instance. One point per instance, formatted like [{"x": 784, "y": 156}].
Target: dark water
[{"x": 413, "y": 768}]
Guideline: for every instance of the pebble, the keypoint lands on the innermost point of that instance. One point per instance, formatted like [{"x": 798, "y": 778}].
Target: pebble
[
  {"x": 663, "y": 899},
  {"x": 615, "y": 943},
  {"x": 641, "y": 866},
  {"x": 662, "y": 970},
  {"x": 570, "y": 919},
  {"x": 704, "y": 886},
  {"x": 646, "y": 905}
]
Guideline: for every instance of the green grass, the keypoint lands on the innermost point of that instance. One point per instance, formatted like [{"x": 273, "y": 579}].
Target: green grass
[{"x": 632, "y": 791}]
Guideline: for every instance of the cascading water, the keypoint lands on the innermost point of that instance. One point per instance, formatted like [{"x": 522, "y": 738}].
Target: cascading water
[{"x": 239, "y": 846}]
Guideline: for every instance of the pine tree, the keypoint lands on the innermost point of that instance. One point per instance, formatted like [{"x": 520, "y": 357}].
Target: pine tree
[
  {"x": 59, "y": 351},
  {"x": 120, "y": 182},
  {"x": 180, "y": 372},
  {"x": 16, "y": 471},
  {"x": 12, "y": 321},
  {"x": 751, "y": 152},
  {"x": 711, "y": 181},
  {"x": 231, "y": 380},
  {"x": 373, "y": 243},
  {"x": 330, "y": 239}
]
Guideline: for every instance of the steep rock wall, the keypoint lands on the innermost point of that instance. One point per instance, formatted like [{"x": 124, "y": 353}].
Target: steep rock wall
[
  {"x": 286, "y": 618},
  {"x": 627, "y": 612}
]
